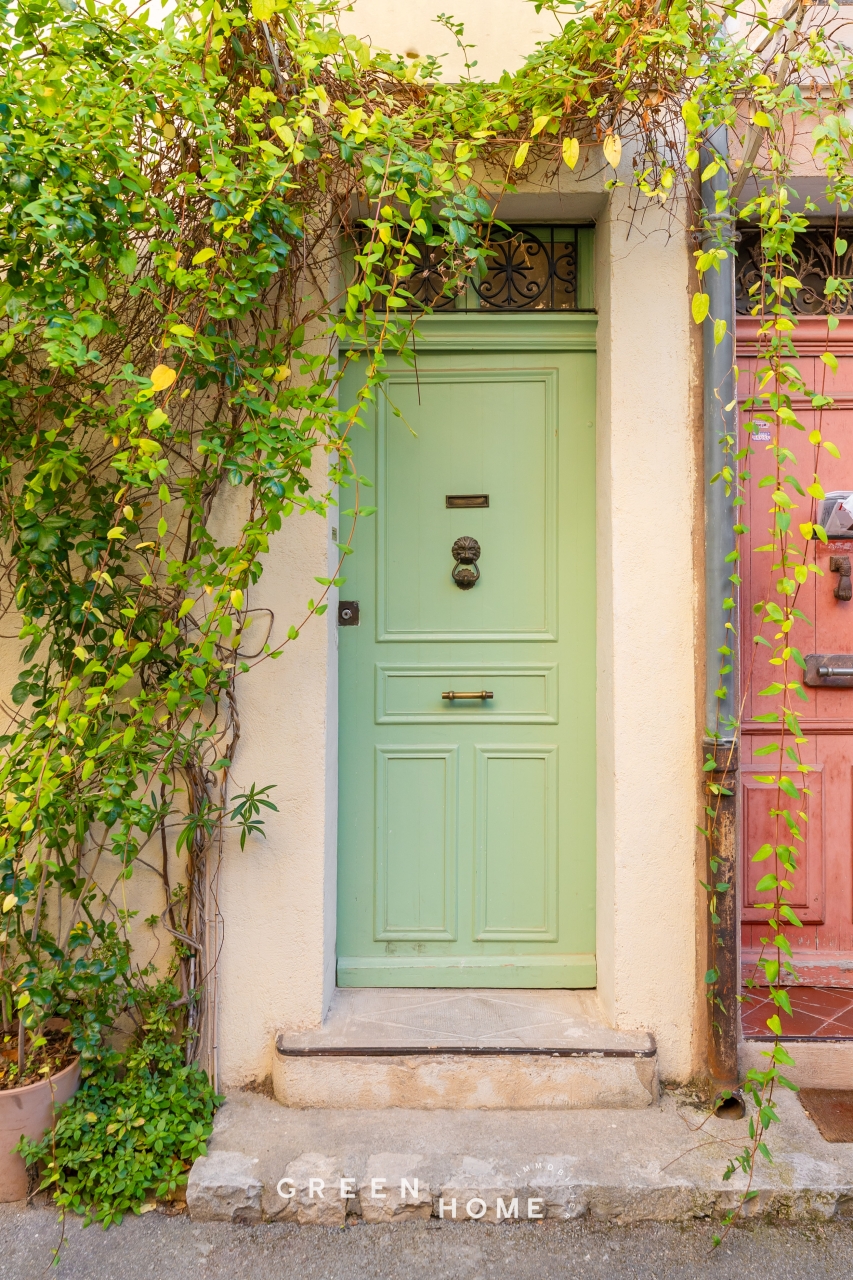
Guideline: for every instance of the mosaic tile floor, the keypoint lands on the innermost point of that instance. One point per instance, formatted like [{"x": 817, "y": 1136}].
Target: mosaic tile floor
[{"x": 818, "y": 1011}]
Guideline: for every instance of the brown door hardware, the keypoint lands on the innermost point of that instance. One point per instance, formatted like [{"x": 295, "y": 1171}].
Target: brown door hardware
[
  {"x": 347, "y": 613},
  {"x": 841, "y": 566},
  {"x": 466, "y": 553},
  {"x": 829, "y": 670},
  {"x": 452, "y": 697},
  {"x": 466, "y": 500}
]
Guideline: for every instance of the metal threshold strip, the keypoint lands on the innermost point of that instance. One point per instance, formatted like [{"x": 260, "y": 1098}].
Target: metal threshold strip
[{"x": 474, "y": 1050}]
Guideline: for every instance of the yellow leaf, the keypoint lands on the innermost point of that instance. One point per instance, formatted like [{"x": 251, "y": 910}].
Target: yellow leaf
[
  {"x": 80, "y": 652},
  {"x": 162, "y": 377},
  {"x": 762, "y": 118},
  {"x": 263, "y": 10},
  {"x": 117, "y": 532},
  {"x": 91, "y": 1118},
  {"x": 571, "y": 151},
  {"x": 127, "y": 512},
  {"x": 237, "y": 598},
  {"x": 282, "y": 372},
  {"x": 521, "y": 155},
  {"x": 538, "y": 125},
  {"x": 202, "y": 256},
  {"x": 699, "y": 306},
  {"x": 612, "y": 148},
  {"x": 9, "y": 902}
]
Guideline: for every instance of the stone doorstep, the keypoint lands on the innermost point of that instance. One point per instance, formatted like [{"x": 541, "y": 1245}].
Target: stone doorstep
[
  {"x": 432, "y": 1049},
  {"x": 619, "y": 1167},
  {"x": 439, "y": 1081}
]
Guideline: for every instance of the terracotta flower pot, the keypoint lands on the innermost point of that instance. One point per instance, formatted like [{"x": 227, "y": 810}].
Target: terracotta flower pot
[{"x": 27, "y": 1112}]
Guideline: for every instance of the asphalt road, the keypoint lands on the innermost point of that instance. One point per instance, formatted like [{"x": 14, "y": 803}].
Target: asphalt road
[{"x": 177, "y": 1249}]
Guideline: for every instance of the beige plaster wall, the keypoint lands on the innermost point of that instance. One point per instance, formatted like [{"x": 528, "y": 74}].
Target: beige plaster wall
[
  {"x": 504, "y": 31},
  {"x": 278, "y": 896},
  {"x": 648, "y": 637}
]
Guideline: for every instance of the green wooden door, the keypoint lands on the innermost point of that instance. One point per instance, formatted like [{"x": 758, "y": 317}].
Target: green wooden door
[{"x": 467, "y": 827}]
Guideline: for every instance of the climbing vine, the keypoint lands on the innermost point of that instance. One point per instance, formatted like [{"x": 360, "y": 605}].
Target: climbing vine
[{"x": 174, "y": 302}]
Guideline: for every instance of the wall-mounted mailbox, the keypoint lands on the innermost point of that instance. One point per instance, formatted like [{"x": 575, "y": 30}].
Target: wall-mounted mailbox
[
  {"x": 836, "y": 514},
  {"x": 829, "y": 670}
]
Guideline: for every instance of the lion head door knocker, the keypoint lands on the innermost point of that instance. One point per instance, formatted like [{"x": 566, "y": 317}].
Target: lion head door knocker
[{"x": 466, "y": 553}]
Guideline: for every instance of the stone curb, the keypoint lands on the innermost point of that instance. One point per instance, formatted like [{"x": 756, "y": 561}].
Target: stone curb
[{"x": 388, "y": 1187}]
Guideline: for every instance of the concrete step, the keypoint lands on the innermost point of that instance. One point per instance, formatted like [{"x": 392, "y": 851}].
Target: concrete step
[
  {"x": 663, "y": 1163},
  {"x": 436, "y": 1049}
]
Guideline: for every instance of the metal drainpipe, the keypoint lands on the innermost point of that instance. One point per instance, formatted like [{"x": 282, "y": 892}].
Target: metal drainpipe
[{"x": 719, "y": 392}]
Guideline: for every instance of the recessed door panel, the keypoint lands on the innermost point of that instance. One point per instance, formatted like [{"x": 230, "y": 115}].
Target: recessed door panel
[
  {"x": 415, "y": 842},
  {"x": 765, "y": 825},
  {"x": 486, "y": 432},
  {"x": 516, "y": 843}
]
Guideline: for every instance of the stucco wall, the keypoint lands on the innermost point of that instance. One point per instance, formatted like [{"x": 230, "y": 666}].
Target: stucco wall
[
  {"x": 278, "y": 896},
  {"x": 503, "y": 31},
  {"x": 649, "y": 428}
]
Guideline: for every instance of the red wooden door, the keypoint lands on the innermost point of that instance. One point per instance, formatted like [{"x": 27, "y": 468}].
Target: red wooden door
[{"x": 823, "y": 892}]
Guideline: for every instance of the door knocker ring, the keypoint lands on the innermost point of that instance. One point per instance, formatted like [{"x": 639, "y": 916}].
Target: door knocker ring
[{"x": 466, "y": 553}]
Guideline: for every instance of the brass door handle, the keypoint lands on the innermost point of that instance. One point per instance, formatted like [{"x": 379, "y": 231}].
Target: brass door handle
[{"x": 451, "y": 696}]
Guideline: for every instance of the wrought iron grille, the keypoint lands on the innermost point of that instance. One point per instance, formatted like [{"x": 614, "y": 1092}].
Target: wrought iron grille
[
  {"x": 541, "y": 268},
  {"x": 816, "y": 262}
]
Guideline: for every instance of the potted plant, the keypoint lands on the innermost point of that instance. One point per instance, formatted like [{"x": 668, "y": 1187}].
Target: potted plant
[
  {"x": 65, "y": 998},
  {"x": 39, "y": 1071}
]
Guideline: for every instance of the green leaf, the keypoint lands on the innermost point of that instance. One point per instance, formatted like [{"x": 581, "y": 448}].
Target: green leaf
[{"x": 127, "y": 262}]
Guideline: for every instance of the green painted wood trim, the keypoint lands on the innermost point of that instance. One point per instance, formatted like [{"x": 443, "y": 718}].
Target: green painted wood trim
[
  {"x": 518, "y": 331},
  {"x": 467, "y": 971}
]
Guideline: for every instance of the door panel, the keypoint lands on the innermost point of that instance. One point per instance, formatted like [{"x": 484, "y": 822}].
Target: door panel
[
  {"x": 760, "y": 827},
  {"x": 490, "y": 432},
  {"x": 516, "y": 841},
  {"x": 466, "y": 826},
  {"x": 416, "y": 842}
]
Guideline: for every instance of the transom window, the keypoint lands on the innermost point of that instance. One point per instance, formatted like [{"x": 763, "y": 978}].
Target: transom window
[
  {"x": 817, "y": 261},
  {"x": 530, "y": 268}
]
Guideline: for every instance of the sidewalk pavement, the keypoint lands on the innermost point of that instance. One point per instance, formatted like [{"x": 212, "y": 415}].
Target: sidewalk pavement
[{"x": 154, "y": 1246}]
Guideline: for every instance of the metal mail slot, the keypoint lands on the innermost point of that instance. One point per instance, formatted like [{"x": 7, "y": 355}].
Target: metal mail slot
[
  {"x": 829, "y": 670},
  {"x": 466, "y": 500}
]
